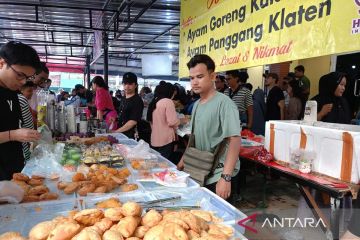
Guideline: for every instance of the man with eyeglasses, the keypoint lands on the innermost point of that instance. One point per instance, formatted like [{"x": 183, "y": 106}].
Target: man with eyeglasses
[{"x": 18, "y": 64}]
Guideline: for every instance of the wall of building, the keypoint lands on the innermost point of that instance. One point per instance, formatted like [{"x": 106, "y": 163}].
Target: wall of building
[{"x": 255, "y": 76}]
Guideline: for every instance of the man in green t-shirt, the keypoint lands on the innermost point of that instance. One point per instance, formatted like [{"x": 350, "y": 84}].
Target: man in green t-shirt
[
  {"x": 216, "y": 118},
  {"x": 304, "y": 81}
]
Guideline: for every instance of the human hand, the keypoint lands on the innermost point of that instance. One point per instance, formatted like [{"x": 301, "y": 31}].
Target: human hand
[
  {"x": 326, "y": 109},
  {"x": 24, "y": 135},
  {"x": 223, "y": 188},
  {"x": 180, "y": 165}
]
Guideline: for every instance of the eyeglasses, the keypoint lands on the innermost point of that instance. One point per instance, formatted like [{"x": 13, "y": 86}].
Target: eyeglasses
[{"x": 21, "y": 76}]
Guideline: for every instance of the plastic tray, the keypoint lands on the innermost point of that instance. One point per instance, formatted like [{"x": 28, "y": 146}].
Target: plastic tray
[
  {"x": 118, "y": 136},
  {"x": 207, "y": 201},
  {"x": 128, "y": 142},
  {"x": 22, "y": 217}
]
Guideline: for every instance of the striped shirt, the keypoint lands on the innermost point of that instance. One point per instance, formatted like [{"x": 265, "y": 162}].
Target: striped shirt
[
  {"x": 242, "y": 98},
  {"x": 27, "y": 122}
]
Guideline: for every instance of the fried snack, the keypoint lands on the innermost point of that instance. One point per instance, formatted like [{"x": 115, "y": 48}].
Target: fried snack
[
  {"x": 89, "y": 217},
  {"x": 88, "y": 188},
  {"x": 119, "y": 180},
  {"x": 38, "y": 190},
  {"x": 62, "y": 185},
  {"x": 207, "y": 236},
  {"x": 11, "y": 236},
  {"x": 109, "y": 203},
  {"x": 154, "y": 233},
  {"x": 64, "y": 231},
  {"x": 88, "y": 234},
  {"x": 129, "y": 187},
  {"x": 205, "y": 215},
  {"x": 71, "y": 188},
  {"x": 42, "y": 230},
  {"x": 96, "y": 229},
  {"x": 63, "y": 219},
  {"x": 136, "y": 164},
  {"x": 114, "y": 214},
  {"x": 192, "y": 235},
  {"x": 101, "y": 189},
  {"x": 174, "y": 231},
  {"x": 112, "y": 235},
  {"x": 37, "y": 177},
  {"x": 151, "y": 218},
  {"x": 123, "y": 173},
  {"x": 35, "y": 182},
  {"x": 131, "y": 209},
  {"x": 177, "y": 221},
  {"x": 133, "y": 238},
  {"x": 127, "y": 226},
  {"x": 30, "y": 198},
  {"x": 218, "y": 229},
  {"x": 72, "y": 213},
  {"x": 23, "y": 185},
  {"x": 195, "y": 223},
  {"x": 78, "y": 177},
  {"x": 20, "y": 177},
  {"x": 104, "y": 224},
  {"x": 49, "y": 196},
  {"x": 141, "y": 231}
]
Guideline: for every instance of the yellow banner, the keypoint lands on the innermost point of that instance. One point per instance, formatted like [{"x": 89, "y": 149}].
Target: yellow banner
[{"x": 245, "y": 33}]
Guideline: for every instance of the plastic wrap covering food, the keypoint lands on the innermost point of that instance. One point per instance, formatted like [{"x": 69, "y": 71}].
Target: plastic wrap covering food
[
  {"x": 10, "y": 192},
  {"x": 141, "y": 150},
  {"x": 45, "y": 162},
  {"x": 165, "y": 178}
]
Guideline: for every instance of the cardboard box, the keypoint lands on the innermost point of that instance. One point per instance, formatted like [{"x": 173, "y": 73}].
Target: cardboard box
[{"x": 337, "y": 146}]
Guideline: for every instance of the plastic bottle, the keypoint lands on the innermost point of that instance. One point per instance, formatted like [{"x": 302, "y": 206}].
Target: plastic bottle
[{"x": 42, "y": 98}]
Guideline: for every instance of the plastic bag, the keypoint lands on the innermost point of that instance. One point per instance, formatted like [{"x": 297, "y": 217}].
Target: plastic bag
[
  {"x": 45, "y": 162},
  {"x": 142, "y": 150},
  {"x": 46, "y": 135},
  {"x": 10, "y": 192}
]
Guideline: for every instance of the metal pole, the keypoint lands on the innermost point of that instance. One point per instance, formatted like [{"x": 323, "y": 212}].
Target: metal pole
[
  {"x": 88, "y": 71},
  {"x": 106, "y": 57}
]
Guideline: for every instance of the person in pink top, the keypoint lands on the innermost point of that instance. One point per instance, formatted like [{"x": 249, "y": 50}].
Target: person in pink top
[
  {"x": 162, "y": 116},
  {"x": 104, "y": 103}
]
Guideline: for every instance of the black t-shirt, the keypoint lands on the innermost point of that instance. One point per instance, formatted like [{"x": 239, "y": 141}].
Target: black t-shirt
[
  {"x": 11, "y": 153},
  {"x": 130, "y": 109},
  {"x": 355, "y": 218},
  {"x": 272, "y": 107}
]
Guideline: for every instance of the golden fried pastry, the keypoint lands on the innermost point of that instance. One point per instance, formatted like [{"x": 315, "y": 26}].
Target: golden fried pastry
[
  {"x": 129, "y": 187},
  {"x": 104, "y": 224},
  {"x": 72, "y": 213},
  {"x": 133, "y": 238},
  {"x": 112, "y": 235},
  {"x": 171, "y": 214},
  {"x": 49, "y": 196},
  {"x": 206, "y": 215},
  {"x": 37, "y": 177},
  {"x": 88, "y": 188},
  {"x": 154, "y": 233},
  {"x": 87, "y": 234},
  {"x": 218, "y": 229},
  {"x": 30, "y": 198},
  {"x": 109, "y": 203},
  {"x": 131, "y": 209},
  {"x": 207, "y": 236},
  {"x": 96, "y": 229},
  {"x": 177, "y": 221},
  {"x": 38, "y": 190},
  {"x": 78, "y": 177},
  {"x": 71, "y": 188},
  {"x": 42, "y": 230},
  {"x": 89, "y": 217},
  {"x": 114, "y": 214},
  {"x": 151, "y": 218},
  {"x": 118, "y": 180},
  {"x": 195, "y": 223},
  {"x": 64, "y": 231},
  {"x": 63, "y": 219},
  {"x": 174, "y": 232},
  {"x": 20, "y": 177},
  {"x": 11, "y": 236},
  {"x": 101, "y": 189},
  {"x": 123, "y": 173},
  {"x": 35, "y": 182},
  {"x": 192, "y": 235},
  {"x": 23, "y": 185},
  {"x": 141, "y": 231},
  {"x": 62, "y": 185},
  {"x": 127, "y": 226}
]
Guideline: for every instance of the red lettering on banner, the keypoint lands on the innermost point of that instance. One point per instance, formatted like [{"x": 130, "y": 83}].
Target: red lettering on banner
[
  {"x": 210, "y": 3},
  {"x": 266, "y": 51},
  {"x": 187, "y": 22}
]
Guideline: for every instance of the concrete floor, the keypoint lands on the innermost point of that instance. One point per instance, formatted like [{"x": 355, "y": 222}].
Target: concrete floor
[{"x": 283, "y": 200}]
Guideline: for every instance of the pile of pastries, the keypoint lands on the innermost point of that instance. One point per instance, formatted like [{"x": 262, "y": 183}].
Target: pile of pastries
[
  {"x": 34, "y": 188},
  {"x": 98, "y": 179},
  {"x": 127, "y": 221}
]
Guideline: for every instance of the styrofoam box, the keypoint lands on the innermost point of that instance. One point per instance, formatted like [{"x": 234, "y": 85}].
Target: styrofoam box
[{"x": 325, "y": 139}]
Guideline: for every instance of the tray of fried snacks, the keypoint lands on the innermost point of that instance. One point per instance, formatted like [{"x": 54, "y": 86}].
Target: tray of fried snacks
[
  {"x": 36, "y": 188},
  {"x": 157, "y": 164},
  {"x": 21, "y": 218},
  {"x": 97, "y": 179},
  {"x": 211, "y": 205},
  {"x": 129, "y": 221}
]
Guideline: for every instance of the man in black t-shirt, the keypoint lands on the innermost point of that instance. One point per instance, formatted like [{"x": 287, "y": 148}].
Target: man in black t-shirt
[
  {"x": 18, "y": 64},
  {"x": 131, "y": 106},
  {"x": 275, "y": 101}
]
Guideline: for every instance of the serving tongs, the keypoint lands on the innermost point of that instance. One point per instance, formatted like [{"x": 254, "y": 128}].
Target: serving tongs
[
  {"x": 149, "y": 204},
  {"x": 171, "y": 208}
]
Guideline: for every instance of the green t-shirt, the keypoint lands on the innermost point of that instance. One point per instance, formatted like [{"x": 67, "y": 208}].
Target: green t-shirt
[
  {"x": 215, "y": 120},
  {"x": 305, "y": 83}
]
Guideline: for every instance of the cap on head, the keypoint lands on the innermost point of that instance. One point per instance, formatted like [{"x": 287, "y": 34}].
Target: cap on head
[{"x": 129, "y": 77}]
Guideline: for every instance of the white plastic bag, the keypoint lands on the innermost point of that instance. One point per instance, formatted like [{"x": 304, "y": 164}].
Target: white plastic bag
[
  {"x": 46, "y": 135},
  {"x": 10, "y": 192},
  {"x": 142, "y": 150}
]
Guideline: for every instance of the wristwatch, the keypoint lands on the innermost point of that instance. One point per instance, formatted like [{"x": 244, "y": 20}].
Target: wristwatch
[{"x": 226, "y": 177}]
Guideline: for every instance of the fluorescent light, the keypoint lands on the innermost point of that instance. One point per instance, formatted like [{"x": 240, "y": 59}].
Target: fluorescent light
[{"x": 353, "y": 67}]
